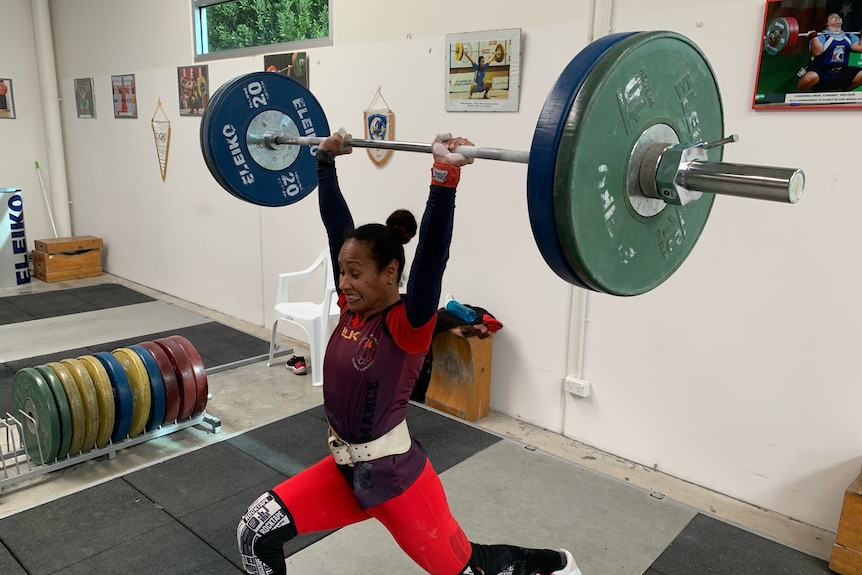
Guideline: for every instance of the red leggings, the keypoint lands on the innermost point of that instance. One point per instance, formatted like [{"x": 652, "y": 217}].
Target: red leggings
[{"x": 419, "y": 519}]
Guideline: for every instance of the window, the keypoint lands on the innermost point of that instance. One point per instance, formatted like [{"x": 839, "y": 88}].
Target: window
[{"x": 234, "y": 28}]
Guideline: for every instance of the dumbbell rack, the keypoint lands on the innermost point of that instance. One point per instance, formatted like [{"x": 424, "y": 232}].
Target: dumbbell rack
[{"x": 17, "y": 466}]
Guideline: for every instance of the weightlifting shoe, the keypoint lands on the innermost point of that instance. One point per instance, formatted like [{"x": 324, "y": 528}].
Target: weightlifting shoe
[
  {"x": 570, "y": 568},
  {"x": 296, "y": 364}
]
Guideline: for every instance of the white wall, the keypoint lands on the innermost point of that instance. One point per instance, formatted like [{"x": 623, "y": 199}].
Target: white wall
[
  {"x": 22, "y": 140},
  {"x": 736, "y": 374}
]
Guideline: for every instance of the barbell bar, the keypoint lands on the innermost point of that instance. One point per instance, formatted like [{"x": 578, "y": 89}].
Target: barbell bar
[
  {"x": 622, "y": 172},
  {"x": 740, "y": 180}
]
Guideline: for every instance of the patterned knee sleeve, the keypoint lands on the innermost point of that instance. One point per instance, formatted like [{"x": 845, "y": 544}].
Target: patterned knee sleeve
[{"x": 261, "y": 535}]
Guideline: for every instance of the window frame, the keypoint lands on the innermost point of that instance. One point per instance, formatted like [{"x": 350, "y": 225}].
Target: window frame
[{"x": 198, "y": 5}]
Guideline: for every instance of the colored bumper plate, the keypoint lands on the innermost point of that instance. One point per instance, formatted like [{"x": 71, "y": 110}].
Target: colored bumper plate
[
  {"x": 169, "y": 379},
  {"x": 201, "y": 383},
  {"x": 139, "y": 382},
  {"x": 42, "y": 435},
  {"x": 185, "y": 376},
  {"x": 104, "y": 397},
  {"x": 237, "y": 123},
  {"x": 157, "y": 388},
  {"x": 123, "y": 403}
]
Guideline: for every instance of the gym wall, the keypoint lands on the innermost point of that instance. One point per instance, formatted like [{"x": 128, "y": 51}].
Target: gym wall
[{"x": 737, "y": 374}]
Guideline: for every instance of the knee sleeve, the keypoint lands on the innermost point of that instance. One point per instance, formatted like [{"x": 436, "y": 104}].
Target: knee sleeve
[{"x": 261, "y": 535}]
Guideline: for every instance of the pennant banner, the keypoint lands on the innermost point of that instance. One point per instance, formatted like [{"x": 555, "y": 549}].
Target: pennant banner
[{"x": 162, "y": 135}]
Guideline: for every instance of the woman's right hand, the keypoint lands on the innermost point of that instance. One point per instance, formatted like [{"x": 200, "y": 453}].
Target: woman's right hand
[{"x": 338, "y": 143}]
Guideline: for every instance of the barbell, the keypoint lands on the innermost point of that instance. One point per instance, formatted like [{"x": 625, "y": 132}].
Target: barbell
[
  {"x": 782, "y": 35},
  {"x": 622, "y": 172}
]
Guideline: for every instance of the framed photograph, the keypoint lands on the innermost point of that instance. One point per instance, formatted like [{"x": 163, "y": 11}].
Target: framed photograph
[
  {"x": 293, "y": 65},
  {"x": 7, "y": 104},
  {"x": 124, "y": 96},
  {"x": 193, "y": 89},
  {"x": 84, "y": 103},
  {"x": 483, "y": 71},
  {"x": 810, "y": 55}
]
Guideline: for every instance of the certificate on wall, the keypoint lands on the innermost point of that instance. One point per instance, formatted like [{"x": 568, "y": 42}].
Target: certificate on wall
[
  {"x": 810, "y": 55},
  {"x": 483, "y": 71}
]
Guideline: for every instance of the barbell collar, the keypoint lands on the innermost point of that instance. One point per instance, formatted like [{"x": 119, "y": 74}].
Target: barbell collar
[
  {"x": 482, "y": 153},
  {"x": 783, "y": 185}
]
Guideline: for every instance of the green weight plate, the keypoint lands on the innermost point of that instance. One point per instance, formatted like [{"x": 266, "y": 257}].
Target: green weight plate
[
  {"x": 104, "y": 397},
  {"x": 88, "y": 396},
  {"x": 63, "y": 409},
  {"x": 648, "y": 81},
  {"x": 139, "y": 382},
  {"x": 31, "y": 395},
  {"x": 76, "y": 406}
]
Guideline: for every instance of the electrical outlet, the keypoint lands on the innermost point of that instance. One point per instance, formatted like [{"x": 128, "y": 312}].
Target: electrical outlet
[{"x": 577, "y": 386}]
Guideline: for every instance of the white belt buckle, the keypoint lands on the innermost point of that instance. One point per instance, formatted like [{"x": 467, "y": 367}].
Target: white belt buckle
[{"x": 342, "y": 449}]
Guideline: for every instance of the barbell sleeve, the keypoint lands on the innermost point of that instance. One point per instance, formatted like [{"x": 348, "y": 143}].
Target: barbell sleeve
[
  {"x": 482, "y": 153},
  {"x": 746, "y": 181}
]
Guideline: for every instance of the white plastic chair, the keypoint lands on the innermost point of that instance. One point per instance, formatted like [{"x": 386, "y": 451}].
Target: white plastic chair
[{"x": 308, "y": 315}]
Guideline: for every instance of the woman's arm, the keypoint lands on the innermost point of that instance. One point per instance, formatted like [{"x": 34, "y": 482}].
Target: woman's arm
[
  {"x": 435, "y": 232},
  {"x": 334, "y": 212}
]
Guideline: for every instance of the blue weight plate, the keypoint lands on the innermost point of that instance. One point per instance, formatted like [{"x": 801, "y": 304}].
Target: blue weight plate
[
  {"x": 204, "y": 129},
  {"x": 235, "y": 131},
  {"x": 543, "y": 154},
  {"x": 123, "y": 401},
  {"x": 157, "y": 388}
]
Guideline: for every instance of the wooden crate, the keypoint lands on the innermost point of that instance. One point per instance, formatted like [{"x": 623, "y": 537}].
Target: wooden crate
[
  {"x": 460, "y": 382},
  {"x": 60, "y": 259},
  {"x": 846, "y": 556}
]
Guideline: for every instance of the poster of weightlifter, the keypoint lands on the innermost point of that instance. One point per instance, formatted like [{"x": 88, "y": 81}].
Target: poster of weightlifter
[
  {"x": 7, "y": 107},
  {"x": 810, "y": 55},
  {"x": 483, "y": 71}
]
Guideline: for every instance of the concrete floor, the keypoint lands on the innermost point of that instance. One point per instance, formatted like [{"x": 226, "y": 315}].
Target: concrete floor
[{"x": 254, "y": 395}]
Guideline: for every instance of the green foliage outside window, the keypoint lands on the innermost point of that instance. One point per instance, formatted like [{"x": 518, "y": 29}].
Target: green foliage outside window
[{"x": 242, "y": 24}]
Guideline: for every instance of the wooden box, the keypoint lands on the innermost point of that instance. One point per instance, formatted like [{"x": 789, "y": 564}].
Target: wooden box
[
  {"x": 60, "y": 259},
  {"x": 460, "y": 382},
  {"x": 846, "y": 556}
]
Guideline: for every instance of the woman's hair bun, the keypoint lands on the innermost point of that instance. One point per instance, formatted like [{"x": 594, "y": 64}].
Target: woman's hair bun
[{"x": 402, "y": 223}]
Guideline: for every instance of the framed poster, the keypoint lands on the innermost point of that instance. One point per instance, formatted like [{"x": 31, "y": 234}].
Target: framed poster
[
  {"x": 810, "y": 55},
  {"x": 193, "y": 89},
  {"x": 7, "y": 104},
  {"x": 84, "y": 103},
  {"x": 483, "y": 71},
  {"x": 293, "y": 65},
  {"x": 124, "y": 96}
]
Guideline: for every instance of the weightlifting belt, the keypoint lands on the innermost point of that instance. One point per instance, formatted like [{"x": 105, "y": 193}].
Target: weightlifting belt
[{"x": 394, "y": 442}]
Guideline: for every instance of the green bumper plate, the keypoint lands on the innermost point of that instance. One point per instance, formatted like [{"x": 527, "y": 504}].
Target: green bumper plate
[
  {"x": 63, "y": 408},
  {"x": 43, "y": 435},
  {"x": 646, "y": 79}
]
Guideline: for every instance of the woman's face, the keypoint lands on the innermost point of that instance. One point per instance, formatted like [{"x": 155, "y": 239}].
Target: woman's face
[{"x": 367, "y": 289}]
